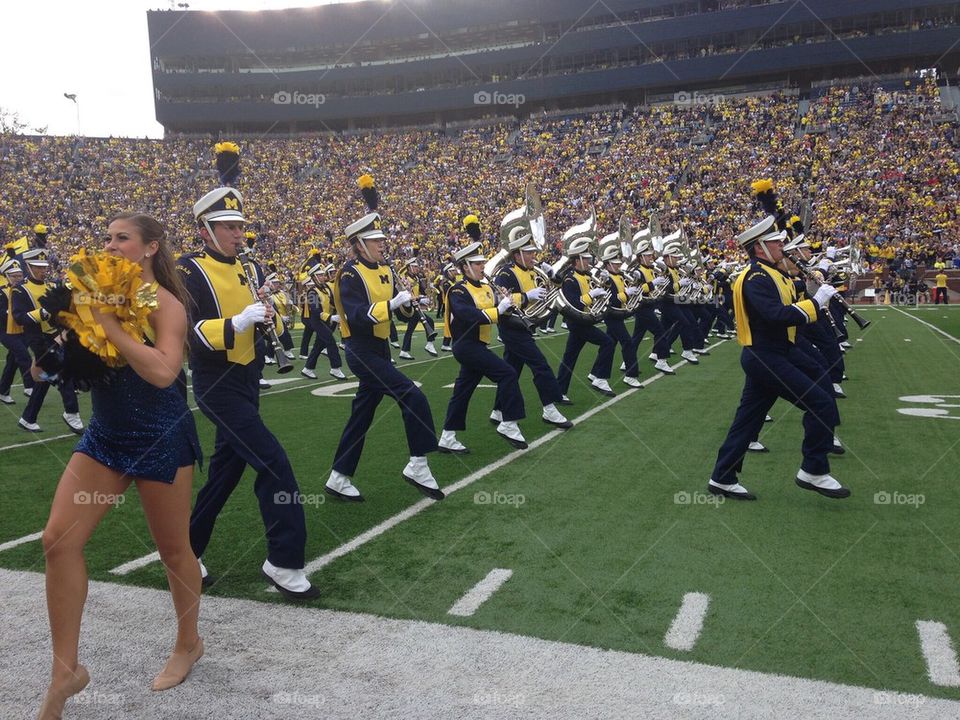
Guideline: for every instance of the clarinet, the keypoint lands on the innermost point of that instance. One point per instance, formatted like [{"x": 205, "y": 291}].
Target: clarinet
[
  {"x": 404, "y": 285},
  {"x": 284, "y": 364}
]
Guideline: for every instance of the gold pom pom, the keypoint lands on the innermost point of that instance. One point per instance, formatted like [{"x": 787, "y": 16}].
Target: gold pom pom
[
  {"x": 761, "y": 186},
  {"x": 365, "y": 181},
  {"x": 109, "y": 284}
]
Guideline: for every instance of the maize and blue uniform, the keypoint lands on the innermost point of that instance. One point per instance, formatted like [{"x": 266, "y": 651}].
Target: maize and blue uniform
[
  {"x": 362, "y": 293},
  {"x": 676, "y": 317},
  {"x": 11, "y": 337},
  {"x": 470, "y": 312},
  {"x": 317, "y": 312},
  {"x": 226, "y": 367},
  {"x": 768, "y": 315},
  {"x": 418, "y": 291},
  {"x": 645, "y": 319},
  {"x": 576, "y": 288},
  {"x": 617, "y": 327},
  {"x": 519, "y": 348}
]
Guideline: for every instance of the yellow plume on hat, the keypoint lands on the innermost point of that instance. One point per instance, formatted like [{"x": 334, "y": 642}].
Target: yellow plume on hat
[
  {"x": 761, "y": 186},
  {"x": 250, "y": 235},
  {"x": 40, "y": 229},
  {"x": 794, "y": 219},
  {"x": 469, "y": 220},
  {"x": 226, "y": 146},
  {"x": 365, "y": 181}
]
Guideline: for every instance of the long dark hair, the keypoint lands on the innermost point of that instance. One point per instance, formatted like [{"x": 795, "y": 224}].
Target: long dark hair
[{"x": 164, "y": 266}]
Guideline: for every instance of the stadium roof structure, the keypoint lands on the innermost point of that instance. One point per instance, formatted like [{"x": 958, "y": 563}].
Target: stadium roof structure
[{"x": 376, "y": 64}]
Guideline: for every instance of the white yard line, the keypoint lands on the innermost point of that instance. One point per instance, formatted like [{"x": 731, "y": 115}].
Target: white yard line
[
  {"x": 391, "y": 522},
  {"x": 38, "y": 442},
  {"x": 480, "y": 593},
  {"x": 688, "y": 623},
  {"x": 129, "y": 567},
  {"x": 21, "y": 541},
  {"x": 270, "y": 660},
  {"x": 938, "y": 653},
  {"x": 932, "y": 327}
]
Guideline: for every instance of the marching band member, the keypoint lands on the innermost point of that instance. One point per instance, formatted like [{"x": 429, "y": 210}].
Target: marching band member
[
  {"x": 365, "y": 296},
  {"x": 37, "y": 330},
  {"x": 445, "y": 281},
  {"x": 321, "y": 317},
  {"x": 580, "y": 296},
  {"x": 471, "y": 310},
  {"x": 226, "y": 359},
  {"x": 767, "y": 317},
  {"x": 418, "y": 289},
  {"x": 302, "y": 277},
  {"x": 645, "y": 318},
  {"x": 516, "y": 277},
  {"x": 610, "y": 256},
  {"x": 676, "y": 320},
  {"x": 11, "y": 334}
]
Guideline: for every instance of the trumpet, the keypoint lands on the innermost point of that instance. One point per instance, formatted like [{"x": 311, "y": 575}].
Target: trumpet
[{"x": 284, "y": 364}]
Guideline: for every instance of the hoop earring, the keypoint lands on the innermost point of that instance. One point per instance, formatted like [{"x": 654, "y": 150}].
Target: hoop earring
[{"x": 146, "y": 255}]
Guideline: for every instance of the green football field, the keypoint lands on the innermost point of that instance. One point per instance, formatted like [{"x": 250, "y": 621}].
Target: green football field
[{"x": 607, "y": 527}]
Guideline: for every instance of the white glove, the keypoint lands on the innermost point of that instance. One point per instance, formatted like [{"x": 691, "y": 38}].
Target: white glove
[
  {"x": 824, "y": 265},
  {"x": 597, "y": 292},
  {"x": 401, "y": 298},
  {"x": 631, "y": 291},
  {"x": 824, "y": 293},
  {"x": 334, "y": 318},
  {"x": 547, "y": 268},
  {"x": 536, "y": 294},
  {"x": 505, "y": 304},
  {"x": 660, "y": 281},
  {"x": 249, "y": 316},
  {"x": 685, "y": 282},
  {"x": 424, "y": 301}
]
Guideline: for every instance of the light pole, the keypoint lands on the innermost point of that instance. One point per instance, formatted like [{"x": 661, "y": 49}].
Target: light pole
[{"x": 73, "y": 98}]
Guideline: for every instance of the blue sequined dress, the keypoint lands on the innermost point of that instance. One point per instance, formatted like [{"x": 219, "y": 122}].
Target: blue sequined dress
[{"x": 141, "y": 430}]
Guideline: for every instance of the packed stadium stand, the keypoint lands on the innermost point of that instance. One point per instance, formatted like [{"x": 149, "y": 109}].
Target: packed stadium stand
[{"x": 373, "y": 64}]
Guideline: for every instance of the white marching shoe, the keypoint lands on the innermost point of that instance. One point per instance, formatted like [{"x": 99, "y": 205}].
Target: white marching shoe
[
  {"x": 404, "y": 355},
  {"x": 838, "y": 448},
  {"x": 826, "y": 485},
  {"x": 418, "y": 474},
  {"x": 30, "y": 426},
  {"x": 449, "y": 444},
  {"x": 652, "y": 356},
  {"x": 735, "y": 491},
  {"x": 430, "y": 348},
  {"x": 690, "y": 357},
  {"x": 601, "y": 386},
  {"x": 838, "y": 391},
  {"x": 308, "y": 373},
  {"x": 269, "y": 361},
  {"x": 496, "y": 417},
  {"x": 510, "y": 431},
  {"x": 291, "y": 582},
  {"x": 7, "y": 400},
  {"x": 768, "y": 419},
  {"x": 632, "y": 382},
  {"x": 74, "y": 422},
  {"x": 339, "y": 486},
  {"x": 337, "y": 373},
  {"x": 288, "y": 354},
  {"x": 623, "y": 366},
  {"x": 554, "y": 417},
  {"x": 664, "y": 367},
  {"x": 757, "y": 447}
]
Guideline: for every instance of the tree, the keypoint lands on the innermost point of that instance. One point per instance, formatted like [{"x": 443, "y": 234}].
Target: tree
[{"x": 10, "y": 122}]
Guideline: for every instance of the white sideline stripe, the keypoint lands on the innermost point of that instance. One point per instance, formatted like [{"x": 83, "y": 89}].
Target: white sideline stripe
[
  {"x": 932, "y": 327},
  {"x": 138, "y": 563},
  {"x": 480, "y": 593},
  {"x": 938, "y": 653},
  {"x": 21, "y": 541},
  {"x": 377, "y": 530},
  {"x": 37, "y": 442},
  {"x": 129, "y": 567},
  {"x": 688, "y": 623}
]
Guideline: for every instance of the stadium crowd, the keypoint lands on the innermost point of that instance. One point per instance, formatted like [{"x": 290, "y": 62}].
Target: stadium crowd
[{"x": 879, "y": 166}]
